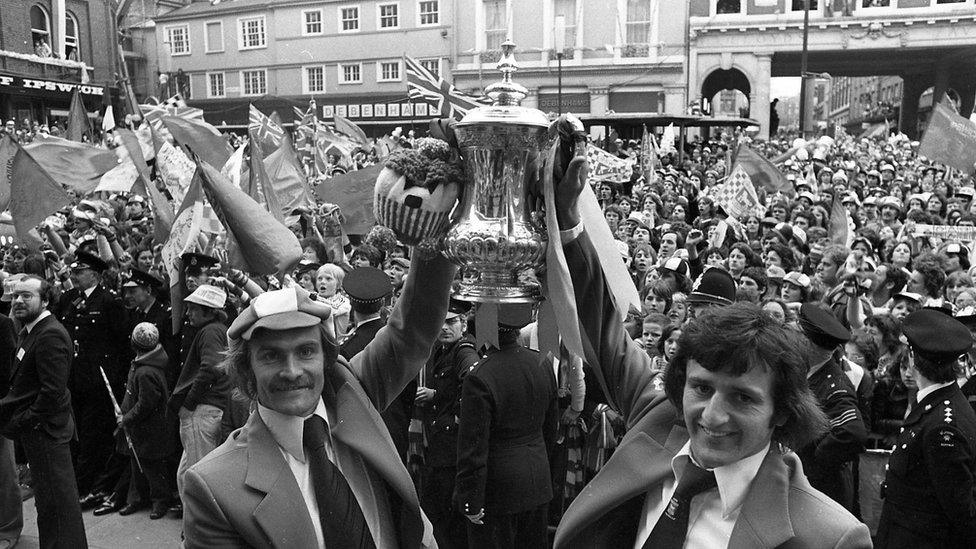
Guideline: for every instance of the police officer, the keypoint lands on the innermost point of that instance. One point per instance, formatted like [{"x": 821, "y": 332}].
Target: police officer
[
  {"x": 437, "y": 401},
  {"x": 509, "y": 415},
  {"x": 96, "y": 321},
  {"x": 827, "y": 462},
  {"x": 928, "y": 489},
  {"x": 141, "y": 297}
]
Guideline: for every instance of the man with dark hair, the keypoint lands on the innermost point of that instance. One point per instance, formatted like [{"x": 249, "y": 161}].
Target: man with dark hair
[
  {"x": 752, "y": 285},
  {"x": 37, "y": 411},
  {"x": 314, "y": 466},
  {"x": 714, "y": 446},
  {"x": 928, "y": 488}
]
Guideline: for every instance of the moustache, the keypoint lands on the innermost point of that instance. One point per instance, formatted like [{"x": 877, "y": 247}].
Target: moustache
[{"x": 282, "y": 386}]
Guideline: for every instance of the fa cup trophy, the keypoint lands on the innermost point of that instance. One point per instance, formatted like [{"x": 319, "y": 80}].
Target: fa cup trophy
[{"x": 498, "y": 237}]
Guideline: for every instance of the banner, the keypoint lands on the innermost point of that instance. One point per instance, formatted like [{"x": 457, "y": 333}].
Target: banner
[
  {"x": 946, "y": 232},
  {"x": 353, "y": 193},
  {"x": 737, "y": 195},
  {"x": 607, "y": 167},
  {"x": 950, "y": 139}
]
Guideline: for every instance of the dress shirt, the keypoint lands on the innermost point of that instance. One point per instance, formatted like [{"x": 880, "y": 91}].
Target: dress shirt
[
  {"x": 922, "y": 393},
  {"x": 30, "y": 325},
  {"x": 713, "y": 512},
  {"x": 287, "y": 431},
  {"x": 89, "y": 291}
]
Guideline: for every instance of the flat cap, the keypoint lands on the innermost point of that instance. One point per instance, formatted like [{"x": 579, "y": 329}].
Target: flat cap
[
  {"x": 936, "y": 336},
  {"x": 281, "y": 310},
  {"x": 366, "y": 285},
  {"x": 822, "y": 328}
]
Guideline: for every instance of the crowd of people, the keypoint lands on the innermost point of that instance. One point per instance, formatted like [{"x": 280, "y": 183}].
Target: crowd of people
[{"x": 136, "y": 389}]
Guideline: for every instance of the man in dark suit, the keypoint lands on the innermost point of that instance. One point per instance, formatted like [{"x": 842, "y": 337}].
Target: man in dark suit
[
  {"x": 714, "y": 443},
  {"x": 317, "y": 427},
  {"x": 37, "y": 410},
  {"x": 928, "y": 488},
  {"x": 509, "y": 413},
  {"x": 11, "y": 509}
]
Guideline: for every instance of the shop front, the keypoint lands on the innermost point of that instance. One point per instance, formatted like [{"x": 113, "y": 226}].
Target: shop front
[{"x": 46, "y": 101}]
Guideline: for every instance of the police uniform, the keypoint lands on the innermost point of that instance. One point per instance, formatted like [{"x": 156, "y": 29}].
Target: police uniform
[
  {"x": 96, "y": 322},
  {"x": 828, "y": 461},
  {"x": 928, "y": 488},
  {"x": 444, "y": 371},
  {"x": 509, "y": 417},
  {"x": 160, "y": 315}
]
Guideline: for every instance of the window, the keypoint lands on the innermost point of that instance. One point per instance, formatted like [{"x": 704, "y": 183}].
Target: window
[
  {"x": 432, "y": 65},
  {"x": 638, "y": 21},
  {"x": 213, "y": 36},
  {"x": 389, "y": 16},
  {"x": 254, "y": 82},
  {"x": 41, "y": 31},
  {"x": 348, "y": 18},
  {"x": 496, "y": 24},
  {"x": 728, "y": 6},
  {"x": 351, "y": 73},
  {"x": 71, "y": 50},
  {"x": 389, "y": 71},
  {"x": 797, "y": 5},
  {"x": 178, "y": 38},
  {"x": 252, "y": 33},
  {"x": 215, "y": 85},
  {"x": 567, "y": 9},
  {"x": 313, "y": 79},
  {"x": 428, "y": 13},
  {"x": 312, "y": 20}
]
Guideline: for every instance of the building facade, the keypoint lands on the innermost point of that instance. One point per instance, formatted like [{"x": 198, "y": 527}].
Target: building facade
[
  {"x": 861, "y": 103},
  {"x": 617, "y": 55},
  {"x": 347, "y": 55},
  {"x": 48, "y": 48}
]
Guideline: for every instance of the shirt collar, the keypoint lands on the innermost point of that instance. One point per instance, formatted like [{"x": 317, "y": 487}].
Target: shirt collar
[
  {"x": 922, "y": 393},
  {"x": 733, "y": 480},
  {"x": 44, "y": 314},
  {"x": 89, "y": 291},
  {"x": 288, "y": 430}
]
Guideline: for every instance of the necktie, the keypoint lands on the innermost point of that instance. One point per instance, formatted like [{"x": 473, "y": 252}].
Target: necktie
[
  {"x": 672, "y": 527},
  {"x": 343, "y": 524}
]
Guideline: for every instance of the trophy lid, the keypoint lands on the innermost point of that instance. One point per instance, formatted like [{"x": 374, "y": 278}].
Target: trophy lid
[{"x": 506, "y": 97}]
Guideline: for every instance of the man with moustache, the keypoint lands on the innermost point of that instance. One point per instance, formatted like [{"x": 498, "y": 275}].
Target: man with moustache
[
  {"x": 707, "y": 462},
  {"x": 314, "y": 466},
  {"x": 37, "y": 411}
]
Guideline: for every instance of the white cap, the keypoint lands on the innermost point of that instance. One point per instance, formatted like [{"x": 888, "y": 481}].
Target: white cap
[{"x": 208, "y": 296}]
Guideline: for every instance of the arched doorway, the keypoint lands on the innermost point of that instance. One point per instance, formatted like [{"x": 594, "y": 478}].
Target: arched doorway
[{"x": 726, "y": 92}]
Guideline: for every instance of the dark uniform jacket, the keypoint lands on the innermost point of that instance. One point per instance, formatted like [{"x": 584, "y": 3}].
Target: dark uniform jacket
[
  {"x": 201, "y": 381},
  {"x": 360, "y": 336},
  {"x": 446, "y": 367},
  {"x": 98, "y": 326},
  {"x": 928, "y": 490},
  {"x": 508, "y": 421},
  {"x": 826, "y": 461},
  {"x": 144, "y": 413},
  {"x": 8, "y": 346},
  {"x": 38, "y": 398},
  {"x": 160, "y": 316}
]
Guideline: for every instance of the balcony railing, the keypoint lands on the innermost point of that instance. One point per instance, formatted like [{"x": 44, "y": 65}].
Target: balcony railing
[{"x": 43, "y": 67}]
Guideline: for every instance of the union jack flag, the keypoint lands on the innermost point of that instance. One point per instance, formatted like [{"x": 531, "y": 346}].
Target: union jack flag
[
  {"x": 445, "y": 99},
  {"x": 174, "y": 106},
  {"x": 264, "y": 128}
]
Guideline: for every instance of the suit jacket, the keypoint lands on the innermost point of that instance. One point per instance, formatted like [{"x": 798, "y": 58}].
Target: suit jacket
[
  {"x": 781, "y": 509},
  {"x": 244, "y": 494},
  {"x": 8, "y": 346},
  {"x": 38, "y": 398}
]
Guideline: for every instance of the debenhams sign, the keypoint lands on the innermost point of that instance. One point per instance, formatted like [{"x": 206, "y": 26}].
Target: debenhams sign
[{"x": 48, "y": 85}]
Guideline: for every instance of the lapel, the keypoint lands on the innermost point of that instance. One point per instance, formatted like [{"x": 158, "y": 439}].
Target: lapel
[
  {"x": 636, "y": 465},
  {"x": 28, "y": 345},
  {"x": 764, "y": 520},
  {"x": 920, "y": 407},
  {"x": 282, "y": 514}
]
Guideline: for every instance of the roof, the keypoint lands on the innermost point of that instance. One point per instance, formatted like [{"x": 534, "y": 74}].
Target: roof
[{"x": 206, "y": 8}]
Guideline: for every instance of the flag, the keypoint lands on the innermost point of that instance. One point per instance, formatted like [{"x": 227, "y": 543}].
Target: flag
[
  {"x": 737, "y": 196},
  {"x": 605, "y": 166},
  {"x": 108, "y": 120},
  {"x": 649, "y": 158},
  {"x": 384, "y": 146},
  {"x": 762, "y": 171},
  {"x": 265, "y": 131},
  {"x": 446, "y": 99},
  {"x": 182, "y": 238},
  {"x": 266, "y": 245},
  {"x": 78, "y": 166},
  {"x": 78, "y": 123},
  {"x": 162, "y": 209},
  {"x": 840, "y": 229},
  {"x": 353, "y": 193},
  {"x": 347, "y": 127},
  {"x": 667, "y": 140},
  {"x": 329, "y": 142},
  {"x": 305, "y": 129},
  {"x": 950, "y": 139},
  {"x": 233, "y": 169},
  {"x": 119, "y": 179},
  {"x": 259, "y": 184},
  {"x": 175, "y": 168},
  {"x": 31, "y": 193},
  {"x": 287, "y": 178},
  {"x": 201, "y": 138},
  {"x": 174, "y": 106}
]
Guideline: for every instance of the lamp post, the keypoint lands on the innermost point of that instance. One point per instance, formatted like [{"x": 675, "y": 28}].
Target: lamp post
[
  {"x": 559, "y": 42},
  {"x": 803, "y": 69}
]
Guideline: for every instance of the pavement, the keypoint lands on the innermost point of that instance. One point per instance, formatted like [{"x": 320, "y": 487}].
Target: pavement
[{"x": 113, "y": 531}]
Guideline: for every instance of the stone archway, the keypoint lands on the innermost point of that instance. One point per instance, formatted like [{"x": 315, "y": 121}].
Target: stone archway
[{"x": 720, "y": 80}]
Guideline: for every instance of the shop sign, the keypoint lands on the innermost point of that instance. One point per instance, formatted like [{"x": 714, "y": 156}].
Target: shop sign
[
  {"x": 7, "y": 82},
  {"x": 382, "y": 110}
]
